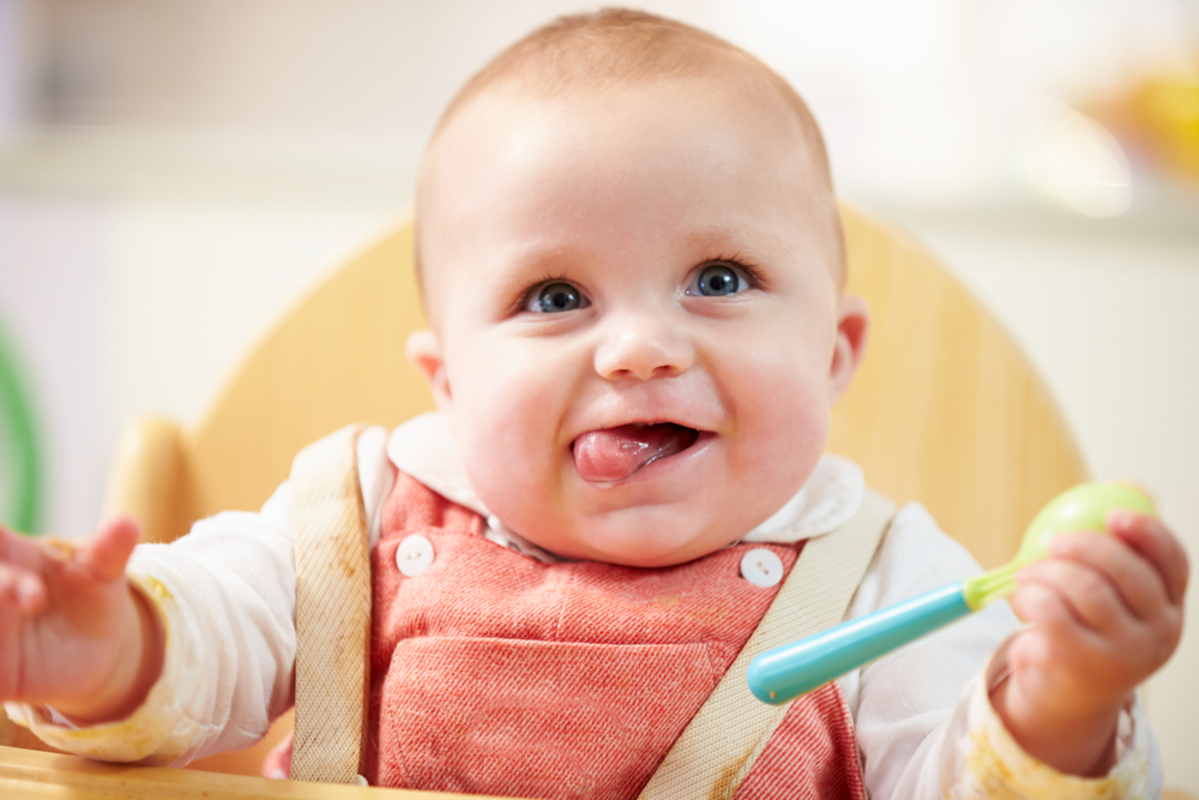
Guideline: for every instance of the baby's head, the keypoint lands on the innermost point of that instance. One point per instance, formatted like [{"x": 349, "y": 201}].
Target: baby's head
[{"x": 632, "y": 264}]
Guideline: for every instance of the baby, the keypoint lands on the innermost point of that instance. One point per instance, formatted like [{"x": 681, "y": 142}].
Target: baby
[{"x": 632, "y": 265}]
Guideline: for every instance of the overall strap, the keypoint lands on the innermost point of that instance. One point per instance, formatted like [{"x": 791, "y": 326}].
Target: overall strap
[
  {"x": 717, "y": 749},
  {"x": 333, "y": 610}
]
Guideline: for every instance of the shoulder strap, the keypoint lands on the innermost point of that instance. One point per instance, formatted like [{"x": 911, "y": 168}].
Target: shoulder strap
[
  {"x": 716, "y": 751},
  {"x": 333, "y": 608}
]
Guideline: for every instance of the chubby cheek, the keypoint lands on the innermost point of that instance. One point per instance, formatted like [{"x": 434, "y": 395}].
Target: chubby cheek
[
  {"x": 782, "y": 412},
  {"x": 506, "y": 413}
]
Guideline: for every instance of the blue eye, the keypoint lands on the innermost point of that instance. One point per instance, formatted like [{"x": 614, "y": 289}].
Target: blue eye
[
  {"x": 717, "y": 280},
  {"x": 555, "y": 297}
]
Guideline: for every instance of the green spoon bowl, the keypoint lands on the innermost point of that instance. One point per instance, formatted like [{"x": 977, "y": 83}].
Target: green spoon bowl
[{"x": 1082, "y": 508}]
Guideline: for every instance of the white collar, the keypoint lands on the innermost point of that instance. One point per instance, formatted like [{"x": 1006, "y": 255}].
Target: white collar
[{"x": 424, "y": 448}]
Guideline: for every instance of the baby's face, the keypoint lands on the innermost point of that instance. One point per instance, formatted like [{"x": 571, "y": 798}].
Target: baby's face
[{"x": 639, "y": 332}]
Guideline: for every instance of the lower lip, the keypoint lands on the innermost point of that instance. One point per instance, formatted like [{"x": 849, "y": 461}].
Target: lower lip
[{"x": 661, "y": 466}]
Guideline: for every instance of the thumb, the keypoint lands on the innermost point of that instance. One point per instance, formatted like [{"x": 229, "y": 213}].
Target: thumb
[
  {"x": 277, "y": 764},
  {"x": 109, "y": 550}
]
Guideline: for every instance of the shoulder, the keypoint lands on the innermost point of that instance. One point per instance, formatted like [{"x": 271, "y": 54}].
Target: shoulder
[
  {"x": 425, "y": 449},
  {"x": 915, "y": 556}
]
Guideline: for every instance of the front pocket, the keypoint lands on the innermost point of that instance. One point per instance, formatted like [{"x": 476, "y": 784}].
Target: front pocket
[{"x": 533, "y": 718}]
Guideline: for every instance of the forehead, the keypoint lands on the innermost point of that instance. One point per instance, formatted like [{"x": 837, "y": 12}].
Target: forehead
[
  {"x": 507, "y": 111},
  {"x": 655, "y": 128},
  {"x": 647, "y": 147}
]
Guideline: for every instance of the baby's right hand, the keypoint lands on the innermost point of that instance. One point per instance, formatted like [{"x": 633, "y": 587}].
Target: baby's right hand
[{"x": 73, "y": 633}]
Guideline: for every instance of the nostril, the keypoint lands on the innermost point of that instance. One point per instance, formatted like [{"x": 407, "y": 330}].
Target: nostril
[
  {"x": 670, "y": 370},
  {"x": 644, "y": 355}
]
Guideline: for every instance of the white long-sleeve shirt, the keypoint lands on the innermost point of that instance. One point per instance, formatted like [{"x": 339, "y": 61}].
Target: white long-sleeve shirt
[{"x": 923, "y": 721}]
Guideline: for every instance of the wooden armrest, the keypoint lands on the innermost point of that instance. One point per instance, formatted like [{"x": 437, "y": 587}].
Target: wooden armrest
[
  {"x": 149, "y": 480},
  {"x": 32, "y": 774}
]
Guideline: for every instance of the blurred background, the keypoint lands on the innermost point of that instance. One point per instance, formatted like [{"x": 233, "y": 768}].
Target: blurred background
[{"x": 174, "y": 175}]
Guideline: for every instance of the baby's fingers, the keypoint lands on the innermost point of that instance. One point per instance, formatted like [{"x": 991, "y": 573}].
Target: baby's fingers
[
  {"x": 1137, "y": 582},
  {"x": 20, "y": 562},
  {"x": 107, "y": 553},
  {"x": 22, "y": 552},
  {"x": 1150, "y": 537},
  {"x": 1043, "y": 605},
  {"x": 1084, "y": 593},
  {"x": 21, "y": 590}
]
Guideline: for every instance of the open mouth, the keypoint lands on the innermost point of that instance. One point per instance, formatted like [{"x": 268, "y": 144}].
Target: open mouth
[{"x": 613, "y": 454}]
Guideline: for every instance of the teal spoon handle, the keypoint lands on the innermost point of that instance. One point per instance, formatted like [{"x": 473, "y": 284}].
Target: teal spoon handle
[{"x": 786, "y": 672}]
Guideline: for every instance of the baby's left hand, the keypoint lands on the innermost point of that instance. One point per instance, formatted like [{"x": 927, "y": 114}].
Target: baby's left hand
[{"x": 1105, "y": 613}]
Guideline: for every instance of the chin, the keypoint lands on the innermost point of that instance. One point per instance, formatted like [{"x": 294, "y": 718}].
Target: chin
[
  {"x": 658, "y": 547},
  {"x": 640, "y": 560},
  {"x": 638, "y": 536}
]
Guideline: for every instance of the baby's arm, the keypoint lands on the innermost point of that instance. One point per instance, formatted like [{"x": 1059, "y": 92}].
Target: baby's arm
[
  {"x": 1106, "y": 613},
  {"x": 922, "y": 715},
  {"x": 73, "y": 633},
  {"x": 225, "y": 594}
]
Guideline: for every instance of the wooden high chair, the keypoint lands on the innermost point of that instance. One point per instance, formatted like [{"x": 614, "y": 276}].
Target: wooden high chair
[{"x": 945, "y": 409}]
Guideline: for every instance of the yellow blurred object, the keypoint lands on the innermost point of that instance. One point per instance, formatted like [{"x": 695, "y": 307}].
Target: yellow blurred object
[{"x": 1160, "y": 117}]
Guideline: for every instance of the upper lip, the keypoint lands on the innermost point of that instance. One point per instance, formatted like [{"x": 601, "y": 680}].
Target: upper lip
[
  {"x": 678, "y": 405},
  {"x": 621, "y": 422}
]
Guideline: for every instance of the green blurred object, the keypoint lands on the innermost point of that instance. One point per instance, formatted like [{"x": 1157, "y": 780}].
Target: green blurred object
[{"x": 18, "y": 431}]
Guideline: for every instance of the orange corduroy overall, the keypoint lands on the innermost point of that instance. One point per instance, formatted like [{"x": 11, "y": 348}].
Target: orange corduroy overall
[{"x": 495, "y": 673}]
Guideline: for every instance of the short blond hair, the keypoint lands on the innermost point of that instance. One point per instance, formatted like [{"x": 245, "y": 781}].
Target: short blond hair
[{"x": 582, "y": 54}]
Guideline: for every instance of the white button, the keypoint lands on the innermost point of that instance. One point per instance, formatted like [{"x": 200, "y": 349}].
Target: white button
[
  {"x": 414, "y": 556},
  {"x": 762, "y": 567}
]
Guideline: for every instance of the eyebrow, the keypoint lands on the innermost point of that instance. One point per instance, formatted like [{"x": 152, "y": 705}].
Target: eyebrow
[
  {"x": 513, "y": 273},
  {"x": 757, "y": 245},
  {"x": 516, "y": 266},
  {"x": 536, "y": 261}
]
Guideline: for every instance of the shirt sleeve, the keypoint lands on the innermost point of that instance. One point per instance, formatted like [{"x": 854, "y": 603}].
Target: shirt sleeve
[
  {"x": 225, "y": 594},
  {"x": 923, "y": 718}
]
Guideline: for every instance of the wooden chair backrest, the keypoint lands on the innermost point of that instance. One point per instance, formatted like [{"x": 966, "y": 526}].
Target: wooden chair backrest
[{"x": 945, "y": 409}]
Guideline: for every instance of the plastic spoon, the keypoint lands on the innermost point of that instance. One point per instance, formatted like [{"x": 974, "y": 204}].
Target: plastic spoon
[{"x": 786, "y": 672}]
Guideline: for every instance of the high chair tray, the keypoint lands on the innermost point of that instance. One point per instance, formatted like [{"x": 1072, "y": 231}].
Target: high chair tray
[{"x": 35, "y": 774}]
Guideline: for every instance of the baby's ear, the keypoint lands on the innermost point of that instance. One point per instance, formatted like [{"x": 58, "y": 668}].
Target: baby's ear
[
  {"x": 853, "y": 322},
  {"x": 423, "y": 349}
]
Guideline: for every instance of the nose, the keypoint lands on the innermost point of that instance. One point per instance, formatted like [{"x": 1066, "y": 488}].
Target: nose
[{"x": 643, "y": 347}]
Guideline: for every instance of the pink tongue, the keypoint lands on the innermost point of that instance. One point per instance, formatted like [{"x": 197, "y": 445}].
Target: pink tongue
[{"x": 613, "y": 454}]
